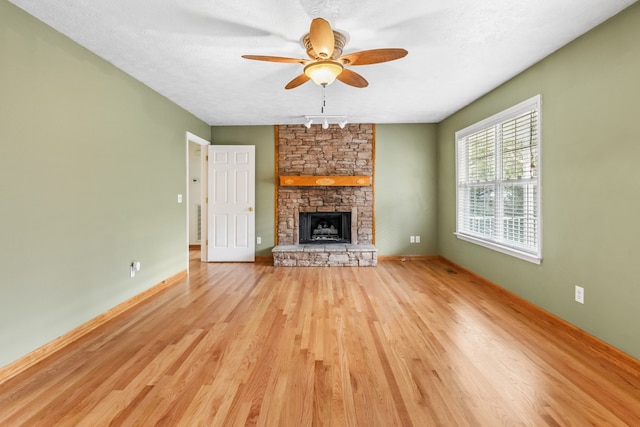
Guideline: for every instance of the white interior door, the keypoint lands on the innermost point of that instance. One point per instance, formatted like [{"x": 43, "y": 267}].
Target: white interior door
[{"x": 230, "y": 202}]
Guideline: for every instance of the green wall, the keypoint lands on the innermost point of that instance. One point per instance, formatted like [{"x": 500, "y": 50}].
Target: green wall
[
  {"x": 263, "y": 137},
  {"x": 91, "y": 162},
  {"x": 591, "y": 183},
  {"x": 406, "y": 189}
]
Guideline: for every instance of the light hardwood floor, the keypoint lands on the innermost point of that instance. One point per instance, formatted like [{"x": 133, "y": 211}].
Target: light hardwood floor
[{"x": 419, "y": 343}]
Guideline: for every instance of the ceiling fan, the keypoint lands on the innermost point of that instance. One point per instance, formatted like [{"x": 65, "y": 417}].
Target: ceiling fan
[{"x": 324, "y": 46}]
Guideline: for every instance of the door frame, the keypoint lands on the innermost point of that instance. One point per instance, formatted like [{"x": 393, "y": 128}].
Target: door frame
[{"x": 192, "y": 138}]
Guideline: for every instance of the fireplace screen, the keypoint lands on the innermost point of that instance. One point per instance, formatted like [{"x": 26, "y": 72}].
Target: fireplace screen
[{"x": 325, "y": 227}]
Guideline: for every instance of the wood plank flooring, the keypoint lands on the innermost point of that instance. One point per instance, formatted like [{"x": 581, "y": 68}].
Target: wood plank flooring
[{"x": 417, "y": 343}]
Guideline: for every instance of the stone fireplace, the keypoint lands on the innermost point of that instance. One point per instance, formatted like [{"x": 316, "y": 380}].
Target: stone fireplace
[{"x": 325, "y": 195}]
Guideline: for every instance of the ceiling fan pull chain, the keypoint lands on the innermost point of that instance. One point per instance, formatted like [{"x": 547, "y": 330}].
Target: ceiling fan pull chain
[{"x": 324, "y": 100}]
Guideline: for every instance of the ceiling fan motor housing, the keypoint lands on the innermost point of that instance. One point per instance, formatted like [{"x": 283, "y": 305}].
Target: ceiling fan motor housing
[{"x": 340, "y": 40}]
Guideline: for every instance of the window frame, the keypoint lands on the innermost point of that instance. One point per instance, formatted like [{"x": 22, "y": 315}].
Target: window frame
[{"x": 495, "y": 242}]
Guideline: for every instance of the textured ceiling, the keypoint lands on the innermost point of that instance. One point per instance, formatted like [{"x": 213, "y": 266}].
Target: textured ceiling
[{"x": 190, "y": 51}]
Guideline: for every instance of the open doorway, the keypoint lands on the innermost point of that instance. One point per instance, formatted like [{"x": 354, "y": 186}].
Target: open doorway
[{"x": 195, "y": 225}]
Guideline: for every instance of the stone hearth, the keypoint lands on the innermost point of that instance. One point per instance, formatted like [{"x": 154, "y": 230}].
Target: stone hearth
[{"x": 332, "y": 255}]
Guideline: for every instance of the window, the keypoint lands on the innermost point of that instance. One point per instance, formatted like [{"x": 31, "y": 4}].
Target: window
[{"x": 498, "y": 182}]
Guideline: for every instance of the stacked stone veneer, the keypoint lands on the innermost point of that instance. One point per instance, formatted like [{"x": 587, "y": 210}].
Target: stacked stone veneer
[
  {"x": 334, "y": 255},
  {"x": 317, "y": 152}
]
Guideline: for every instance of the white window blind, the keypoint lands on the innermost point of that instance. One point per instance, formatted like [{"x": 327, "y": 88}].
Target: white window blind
[{"x": 498, "y": 182}]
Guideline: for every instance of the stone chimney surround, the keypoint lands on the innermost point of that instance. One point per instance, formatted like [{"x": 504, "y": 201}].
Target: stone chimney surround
[{"x": 325, "y": 170}]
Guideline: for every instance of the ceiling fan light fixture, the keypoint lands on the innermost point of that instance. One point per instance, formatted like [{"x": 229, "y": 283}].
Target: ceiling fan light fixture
[{"x": 323, "y": 73}]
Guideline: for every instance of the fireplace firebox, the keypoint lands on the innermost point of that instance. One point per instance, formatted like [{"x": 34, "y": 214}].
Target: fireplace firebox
[{"x": 325, "y": 227}]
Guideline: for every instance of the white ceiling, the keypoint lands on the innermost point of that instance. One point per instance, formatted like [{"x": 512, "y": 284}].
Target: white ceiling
[{"x": 190, "y": 50}]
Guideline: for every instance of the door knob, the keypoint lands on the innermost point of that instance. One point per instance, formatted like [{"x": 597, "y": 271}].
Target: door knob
[{"x": 250, "y": 209}]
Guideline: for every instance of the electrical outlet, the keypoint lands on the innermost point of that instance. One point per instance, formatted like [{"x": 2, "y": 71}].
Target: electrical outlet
[
  {"x": 412, "y": 239},
  {"x": 259, "y": 240},
  {"x": 417, "y": 239},
  {"x": 580, "y": 294}
]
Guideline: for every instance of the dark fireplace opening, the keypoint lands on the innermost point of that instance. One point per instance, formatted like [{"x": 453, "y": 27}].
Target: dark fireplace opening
[{"x": 325, "y": 227}]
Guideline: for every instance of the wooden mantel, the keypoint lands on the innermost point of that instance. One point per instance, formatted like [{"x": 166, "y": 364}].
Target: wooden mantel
[{"x": 325, "y": 181}]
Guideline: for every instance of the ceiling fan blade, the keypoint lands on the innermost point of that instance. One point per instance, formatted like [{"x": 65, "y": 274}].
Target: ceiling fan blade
[
  {"x": 302, "y": 78},
  {"x": 321, "y": 37},
  {"x": 352, "y": 78},
  {"x": 373, "y": 56},
  {"x": 276, "y": 59}
]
